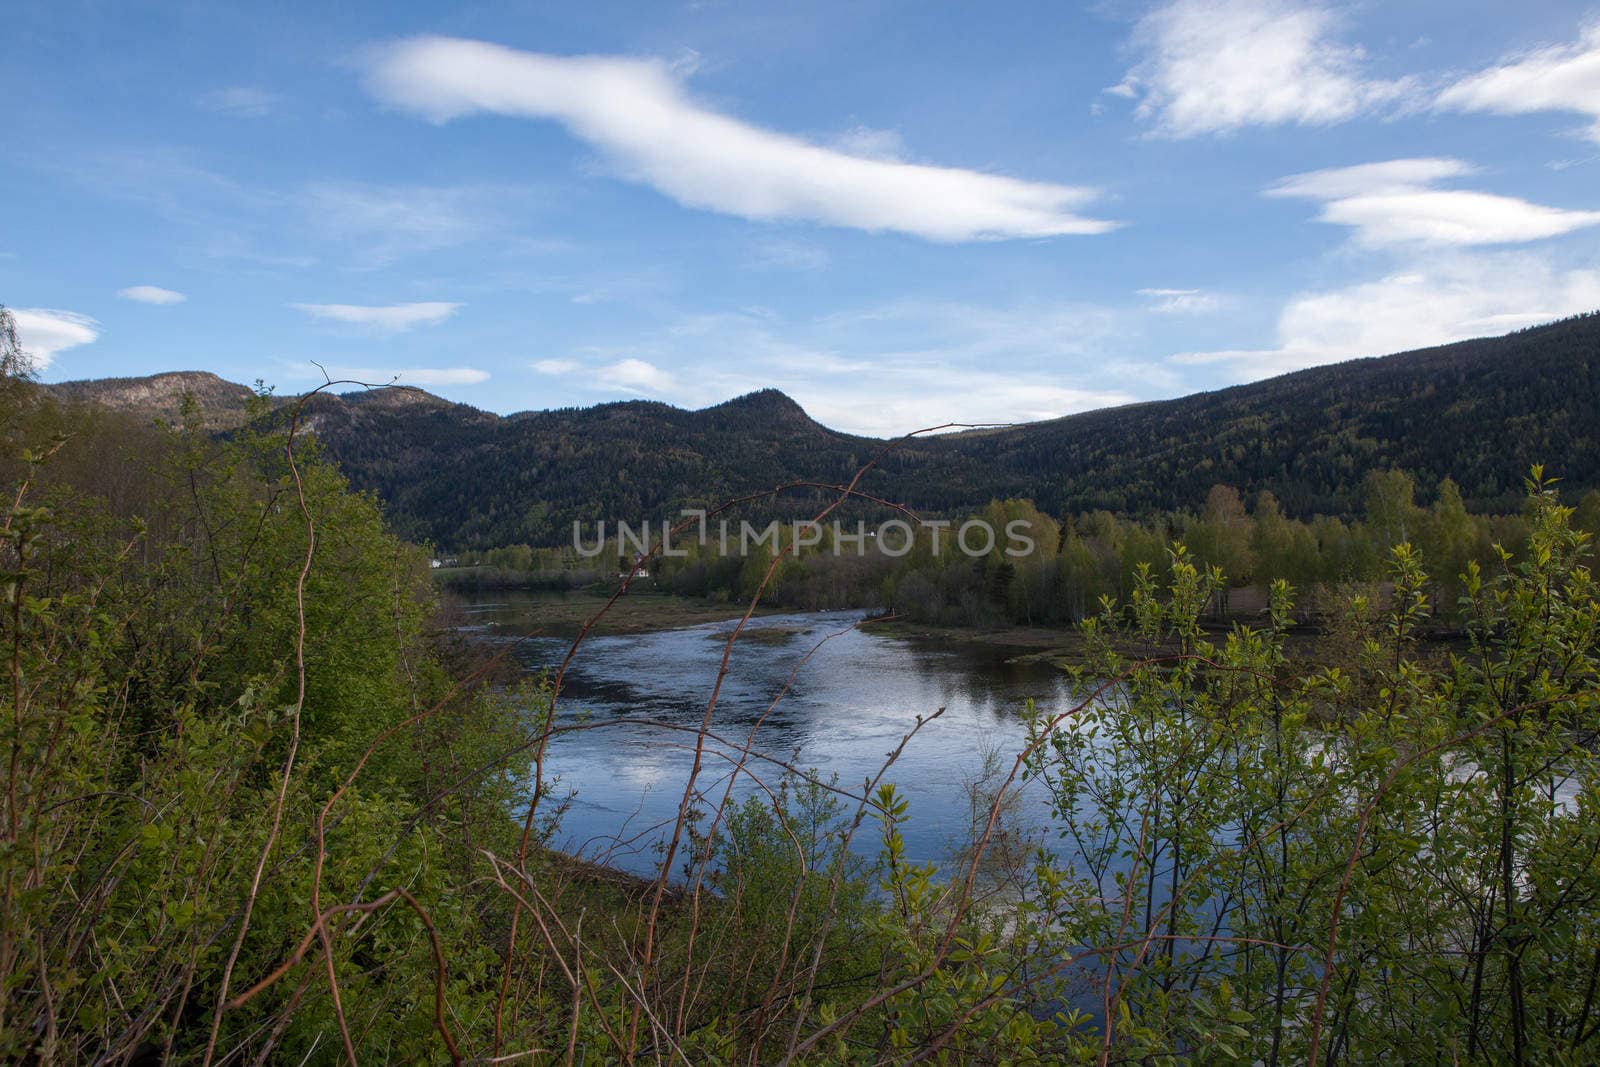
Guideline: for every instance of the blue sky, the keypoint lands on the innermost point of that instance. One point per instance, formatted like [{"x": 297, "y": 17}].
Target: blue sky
[{"x": 899, "y": 213}]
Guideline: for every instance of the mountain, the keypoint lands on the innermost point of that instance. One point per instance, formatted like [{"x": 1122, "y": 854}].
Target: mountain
[
  {"x": 1478, "y": 411},
  {"x": 463, "y": 477},
  {"x": 225, "y": 404}
]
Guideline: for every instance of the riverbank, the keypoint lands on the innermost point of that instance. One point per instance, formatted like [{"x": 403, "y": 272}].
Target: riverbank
[
  {"x": 560, "y": 614},
  {"x": 1021, "y": 644},
  {"x": 1065, "y": 648},
  {"x": 564, "y": 614}
]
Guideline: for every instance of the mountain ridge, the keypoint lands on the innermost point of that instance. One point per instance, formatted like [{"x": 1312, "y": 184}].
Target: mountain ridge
[
  {"x": 1480, "y": 411},
  {"x": 161, "y": 395}
]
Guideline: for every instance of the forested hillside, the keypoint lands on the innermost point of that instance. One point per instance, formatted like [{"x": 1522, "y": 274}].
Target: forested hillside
[
  {"x": 461, "y": 477},
  {"x": 1479, "y": 412}
]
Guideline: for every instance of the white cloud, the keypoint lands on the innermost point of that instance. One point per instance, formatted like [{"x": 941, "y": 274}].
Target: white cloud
[
  {"x": 1368, "y": 178},
  {"x": 1182, "y": 301},
  {"x": 419, "y": 376},
  {"x": 1447, "y": 297},
  {"x": 636, "y": 111},
  {"x": 1439, "y": 287},
  {"x": 1216, "y": 66},
  {"x": 43, "y": 332},
  {"x": 557, "y": 366},
  {"x": 383, "y": 318},
  {"x": 1558, "y": 78},
  {"x": 151, "y": 294},
  {"x": 637, "y": 376},
  {"x": 1396, "y": 203},
  {"x": 241, "y": 101}
]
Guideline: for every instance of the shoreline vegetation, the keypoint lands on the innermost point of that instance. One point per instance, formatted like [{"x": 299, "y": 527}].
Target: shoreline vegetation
[
  {"x": 260, "y": 807},
  {"x": 1070, "y": 566},
  {"x": 645, "y": 609},
  {"x": 563, "y": 615}
]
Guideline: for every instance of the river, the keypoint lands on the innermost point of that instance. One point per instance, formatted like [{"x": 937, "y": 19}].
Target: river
[{"x": 852, "y": 694}]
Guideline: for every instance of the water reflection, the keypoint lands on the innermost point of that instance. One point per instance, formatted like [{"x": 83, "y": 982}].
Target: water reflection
[{"x": 852, "y": 696}]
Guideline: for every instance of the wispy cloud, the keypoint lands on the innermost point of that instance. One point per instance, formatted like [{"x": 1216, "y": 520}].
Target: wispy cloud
[
  {"x": 1397, "y": 202},
  {"x": 1441, "y": 298},
  {"x": 363, "y": 225},
  {"x": 1217, "y": 66},
  {"x": 151, "y": 294},
  {"x": 1563, "y": 77},
  {"x": 885, "y": 405},
  {"x": 880, "y": 371},
  {"x": 636, "y": 111},
  {"x": 883, "y": 399},
  {"x": 1181, "y": 301},
  {"x": 419, "y": 376},
  {"x": 389, "y": 222},
  {"x": 787, "y": 254},
  {"x": 241, "y": 101},
  {"x": 43, "y": 332},
  {"x": 383, "y": 318},
  {"x": 557, "y": 366},
  {"x": 871, "y": 143}
]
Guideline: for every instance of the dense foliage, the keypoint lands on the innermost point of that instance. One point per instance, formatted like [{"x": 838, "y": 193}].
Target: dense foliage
[
  {"x": 1390, "y": 856},
  {"x": 1059, "y": 576},
  {"x": 168, "y": 751}
]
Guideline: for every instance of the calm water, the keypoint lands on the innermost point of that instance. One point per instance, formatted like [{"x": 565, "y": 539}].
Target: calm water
[{"x": 848, "y": 706}]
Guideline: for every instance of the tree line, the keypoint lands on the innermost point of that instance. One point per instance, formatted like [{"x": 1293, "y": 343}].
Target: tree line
[{"x": 1069, "y": 566}]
